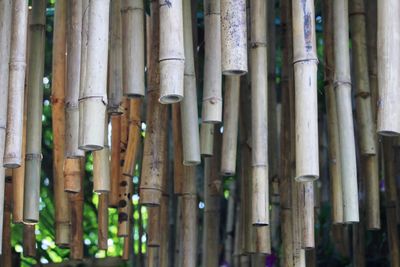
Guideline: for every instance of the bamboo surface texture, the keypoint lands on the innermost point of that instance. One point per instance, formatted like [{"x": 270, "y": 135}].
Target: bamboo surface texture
[
  {"x": 72, "y": 175},
  {"x": 5, "y": 247},
  {"x": 115, "y": 160},
  {"x": 101, "y": 165},
  {"x": 178, "y": 153},
  {"x": 103, "y": 221},
  {"x": 76, "y": 245},
  {"x": 207, "y": 139}
]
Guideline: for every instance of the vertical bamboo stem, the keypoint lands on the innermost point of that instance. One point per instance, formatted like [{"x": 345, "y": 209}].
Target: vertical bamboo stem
[
  {"x": 230, "y": 225},
  {"x": 72, "y": 175},
  {"x": 206, "y": 139},
  {"x": 101, "y": 165},
  {"x": 103, "y": 221},
  {"x": 29, "y": 240},
  {"x": 178, "y": 154},
  {"x": 172, "y": 57},
  {"x": 76, "y": 246},
  {"x": 372, "y": 202},
  {"x": 212, "y": 88},
  {"x": 5, "y": 247},
  {"x": 154, "y": 230},
  {"x": 115, "y": 160},
  {"x": 372, "y": 54}
]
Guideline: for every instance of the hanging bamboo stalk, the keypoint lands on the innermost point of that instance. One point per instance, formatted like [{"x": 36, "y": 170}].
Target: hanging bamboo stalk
[
  {"x": 342, "y": 84},
  {"x": 372, "y": 54},
  {"x": 126, "y": 253},
  {"x": 115, "y": 60},
  {"x": 72, "y": 175},
  {"x": 372, "y": 202},
  {"x": 165, "y": 235},
  {"x": 231, "y": 122},
  {"x": 115, "y": 160},
  {"x": 133, "y": 44},
  {"x": 101, "y": 165},
  {"x": 178, "y": 154},
  {"x": 5, "y": 247},
  {"x": 93, "y": 98},
  {"x": 234, "y": 37},
  {"x": 171, "y": 51},
  {"x": 103, "y": 221},
  {"x": 62, "y": 214},
  {"x": 154, "y": 227},
  {"x": 307, "y": 198},
  {"x": 76, "y": 245},
  {"x": 206, "y": 139},
  {"x": 152, "y": 259},
  {"x": 388, "y": 67},
  {"x": 29, "y": 241},
  {"x": 212, "y": 88},
  {"x": 230, "y": 225}
]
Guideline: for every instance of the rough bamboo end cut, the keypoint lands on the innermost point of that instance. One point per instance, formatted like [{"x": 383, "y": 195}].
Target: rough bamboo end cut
[
  {"x": 150, "y": 197},
  {"x": 171, "y": 81}
]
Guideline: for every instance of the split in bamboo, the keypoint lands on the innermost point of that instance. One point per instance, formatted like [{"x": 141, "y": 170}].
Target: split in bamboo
[
  {"x": 72, "y": 175},
  {"x": 103, "y": 221},
  {"x": 206, "y": 139},
  {"x": 101, "y": 165}
]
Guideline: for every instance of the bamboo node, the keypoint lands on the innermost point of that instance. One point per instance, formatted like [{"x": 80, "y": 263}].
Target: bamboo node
[{"x": 32, "y": 156}]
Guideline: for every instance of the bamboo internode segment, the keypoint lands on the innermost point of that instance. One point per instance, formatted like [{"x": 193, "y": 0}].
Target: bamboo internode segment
[
  {"x": 178, "y": 154},
  {"x": 372, "y": 54},
  {"x": 133, "y": 43},
  {"x": 234, "y": 37},
  {"x": 76, "y": 245},
  {"x": 29, "y": 241},
  {"x": 103, "y": 221},
  {"x": 115, "y": 160},
  {"x": 16, "y": 85},
  {"x": 231, "y": 124},
  {"x": 305, "y": 63},
  {"x": 171, "y": 53},
  {"x": 72, "y": 175},
  {"x": 101, "y": 165},
  {"x": 342, "y": 85},
  {"x": 206, "y": 139},
  {"x": 93, "y": 99},
  {"x": 154, "y": 227},
  {"x": 189, "y": 113},
  {"x": 212, "y": 88},
  {"x": 388, "y": 67},
  {"x": 230, "y": 224},
  {"x": 372, "y": 202},
  {"x": 5, "y": 247}
]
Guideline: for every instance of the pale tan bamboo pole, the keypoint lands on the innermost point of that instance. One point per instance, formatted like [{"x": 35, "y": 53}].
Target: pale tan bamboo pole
[
  {"x": 206, "y": 139},
  {"x": 332, "y": 120},
  {"x": 115, "y": 68},
  {"x": 171, "y": 52},
  {"x": 101, "y": 165},
  {"x": 342, "y": 85},
  {"x": 388, "y": 65},
  {"x": 93, "y": 98},
  {"x": 234, "y": 37},
  {"x": 115, "y": 160},
  {"x": 189, "y": 113},
  {"x": 152, "y": 259},
  {"x": 76, "y": 202},
  {"x": 178, "y": 153},
  {"x": 230, "y": 225},
  {"x": 153, "y": 227},
  {"x": 156, "y": 131},
  {"x": 72, "y": 175},
  {"x": 5, "y": 247},
  {"x": 133, "y": 44},
  {"x": 16, "y": 83},
  {"x": 231, "y": 122},
  {"x": 372, "y": 202},
  {"x": 212, "y": 88},
  {"x": 62, "y": 214},
  {"x": 259, "y": 112},
  {"x": 307, "y": 213},
  {"x": 29, "y": 241},
  {"x": 297, "y": 224},
  {"x": 103, "y": 221},
  {"x": 372, "y": 54},
  {"x": 127, "y": 247}
]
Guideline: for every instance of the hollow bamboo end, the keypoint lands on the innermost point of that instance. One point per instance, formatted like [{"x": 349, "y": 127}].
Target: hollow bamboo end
[
  {"x": 306, "y": 178},
  {"x": 191, "y": 162},
  {"x": 63, "y": 231},
  {"x": 229, "y": 72},
  {"x": 389, "y": 133},
  {"x": 225, "y": 172},
  {"x": 150, "y": 197},
  {"x": 134, "y": 95},
  {"x": 170, "y": 99},
  {"x": 11, "y": 163},
  {"x": 171, "y": 81}
]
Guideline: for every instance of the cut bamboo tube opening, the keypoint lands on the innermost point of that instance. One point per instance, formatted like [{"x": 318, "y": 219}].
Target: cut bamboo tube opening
[
  {"x": 16, "y": 85},
  {"x": 206, "y": 139},
  {"x": 101, "y": 165},
  {"x": 133, "y": 43},
  {"x": 172, "y": 55},
  {"x": 115, "y": 68},
  {"x": 33, "y": 155},
  {"x": 93, "y": 98},
  {"x": 212, "y": 88},
  {"x": 178, "y": 154},
  {"x": 305, "y": 63},
  {"x": 189, "y": 113},
  {"x": 388, "y": 39},
  {"x": 74, "y": 29},
  {"x": 29, "y": 241},
  {"x": 342, "y": 85},
  {"x": 115, "y": 160},
  {"x": 234, "y": 37},
  {"x": 5, "y": 247},
  {"x": 231, "y": 123},
  {"x": 103, "y": 221},
  {"x": 72, "y": 175},
  {"x": 76, "y": 245}
]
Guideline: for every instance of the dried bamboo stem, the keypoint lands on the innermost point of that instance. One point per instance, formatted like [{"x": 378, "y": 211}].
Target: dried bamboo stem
[
  {"x": 154, "y": 226},
  {"x": 101, "y": 165},
  {"x": 5, "y": 247},
  {"x": 206, "y": 139},
  {"x": 165, "y": 235},
  {"x": 230, "y": 225},
  {"x": 127, "y": 247},
  {"x": 133, "y": 44},
  {"x": 29, "y": 241},
  {"x": 344, "y": 111},
  {"x": 103, "y": 221},
  {"x": 307, "y": 191},
  {"x": 372, "y": 202},
  {"x": 76, "y": 245},
  {"x": 372, "y": 54},
  {"x": 212, "y": 88},
  {"x": 72, "y": 175},
  {"x": 115, "y": 160},
  {"x": 171, "y": 49},
  {"x": 152, "y": 259},
  {"x": 93, "y": 98},
  {"x": 16, "y": 84},
  {"x": 178, "y": 154}
]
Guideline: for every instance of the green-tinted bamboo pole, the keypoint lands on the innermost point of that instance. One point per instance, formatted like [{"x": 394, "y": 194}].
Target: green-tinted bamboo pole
[
  {"x": 332, "y": 120},
  {"x": 234, "y": 37},
  {"x": 72, "y": 175},
  {"x": 33, "y": 155},
  {"x": 178, "y": 154},
  {"x": 133, "y": 43},
  {"x": 230, "y": 225},
  {"x": 5, "y": 247},
  {"x": 101, "y": 165},
  {"x": 115, "y": 160},
  {"x": 388, "y": 38},
  {"x": 206, "y": 139},
  {"x": 231, "y": 123},
  {"x": 372, "y": 54},
  {"x": 62, "y": 214},
  {"x": 76, "y": 202},
  {"x": 305, "y": 63},
  {"x": 29, "y": 241},
  {"x": 372, "y": 202},
  {"x": 74, "y": 29},
  {"x": 342, "y": 85},
  {"x": 212, "y": 88},
  {"x": 171, "y": 52},
  {"x": 93, "y": 98},
  {"x": 115, "y": 68},
  {"x": 16, "y": 84},
  {"x": 189, "y": 113},
  {"x": 103, "y": 221}
]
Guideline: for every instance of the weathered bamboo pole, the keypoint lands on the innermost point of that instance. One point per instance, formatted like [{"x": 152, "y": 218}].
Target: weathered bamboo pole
[
  {"x": 115, "y": 160},
  {"x": 388, "y": 38},
  {"x": 72, "y": 175},
  {"x": 101, "y": 165},
  {"x": 16, "y": 85},
  {"x": 206, "y": 139},
  {"x": 5, "y": 247},
  {"x": 307, "y": 213},
  {"x": 126, "y": 253},
  {"x": 231, "y": 123},
  {"x": 189, "y": 113},
  {"x": 153, "y": 228},
  {"x": 342, "y": 85},
  {"x": 93, "y": 98},
  {"x": 171, "y": 52},
  {"x": 230, "y": 225},
  {"x": 372, "y": 202},
  {"x": 62, "y": 214},
  {"x": 234, "y": 37},
  {"x": 164, "y": 221},
  {"x": 212, "y": 88},
  {"x": 103, "y": 221},
  {"x": 133, "y": 44},
  {"x": 152, "y": 259},
  {"x": 372, "y": 54},
  {"x": 178, "y": 154},
  {"x": 29, "y": 241},
  {"x": 74, "y": 37},
  {"x": 76, "y": 245}
]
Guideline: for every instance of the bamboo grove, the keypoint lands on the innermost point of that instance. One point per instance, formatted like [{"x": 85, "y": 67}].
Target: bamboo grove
[{"x": 235, "y": 148}]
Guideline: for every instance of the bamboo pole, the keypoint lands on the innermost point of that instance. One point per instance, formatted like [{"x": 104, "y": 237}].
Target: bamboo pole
[
  {"x": 206, "y": 139},
  {"x": 133, "y": 44},
  {"x": 342, "y": 84},
  {"x": 103, "y": 221},
  {"x": 29, "y": 241},
  {"x": 231, "y": 123},
  {"x": 372, "y": 202},
  {"x": 234, "y": 37},
  {"x": 189, "y": 113},
  {"x": 16, "y": 84},
  {"x": 76, "y": 245},
  {"x": 115, "y": 160},
  {"x": 93, "y": 98},
  {"x": 154, "y": 227},
  {"x": 5, "y": 247},
  {"x": 171, "y": 52},
  {"x": 178, "y": 154},
  {"x": 372, "y": 54},
  {"x": 126, "y": 253},
  {"x": 388, "y": 66},
  {"x": 101, "y": 165},
  {"x": 74, "y": 29},
  {"x": 62, "y": 214},
  {"x": 212, "y": 88},
  {"x": 230, "y": 225},
  {"x": 72, "y": 175}
]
